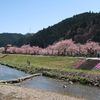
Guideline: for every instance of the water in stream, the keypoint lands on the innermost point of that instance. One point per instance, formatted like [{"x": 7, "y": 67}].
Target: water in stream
[
  {"x": 7, "y": 73},
  {"x": 52, "y": 85}
]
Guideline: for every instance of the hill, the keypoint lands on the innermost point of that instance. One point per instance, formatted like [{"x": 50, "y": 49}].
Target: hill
[
  {"x": 25, "y": 39},
  {"x": 9, "y": 38},
  {"x": 81, "y": 28}
]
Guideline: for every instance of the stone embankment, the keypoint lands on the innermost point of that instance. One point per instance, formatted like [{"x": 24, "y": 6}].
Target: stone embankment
[
  {"x": 95, "y": 78},
  {"x": 89, "y": 64},
  {"x": 20, "y": 79}
]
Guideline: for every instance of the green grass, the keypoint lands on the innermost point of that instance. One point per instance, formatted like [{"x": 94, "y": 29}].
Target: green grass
[
  {"x": 82, "y": 80},
  {"x": 59, "y": 63},
  {"x": 2, "y": 55}
]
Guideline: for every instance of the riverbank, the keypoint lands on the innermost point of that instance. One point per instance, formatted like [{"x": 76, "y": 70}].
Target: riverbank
[
  {"x": 55, "y": 67},
  {"x": 80, "y": 77},
  {"x": 8, "y": 92}
]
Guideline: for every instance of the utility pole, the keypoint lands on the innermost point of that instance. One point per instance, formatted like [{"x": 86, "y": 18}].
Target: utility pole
[{"x": 30, "y": 30}]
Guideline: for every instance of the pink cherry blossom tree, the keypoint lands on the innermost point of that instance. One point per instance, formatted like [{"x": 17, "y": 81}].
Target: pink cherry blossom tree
[
  {"x": 2, "y": 49},
  {"x": 92, "y": 47},
  {"x": 50, "y": 49},
  {"x": 63, "y": 46}
]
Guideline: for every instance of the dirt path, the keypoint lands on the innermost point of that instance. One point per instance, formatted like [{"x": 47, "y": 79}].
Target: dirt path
[{"x": 21, "y": 93}]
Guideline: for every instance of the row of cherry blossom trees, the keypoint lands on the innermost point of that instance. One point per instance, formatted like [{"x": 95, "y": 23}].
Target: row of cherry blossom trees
[
  {"x": 64, "y": 47},
  {"x": 68, "y": 47}
]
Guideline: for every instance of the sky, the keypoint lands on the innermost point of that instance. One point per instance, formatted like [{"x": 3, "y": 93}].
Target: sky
[{"x": 30, "y": 16}]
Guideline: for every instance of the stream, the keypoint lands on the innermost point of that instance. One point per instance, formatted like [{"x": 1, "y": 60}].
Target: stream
[
  {"x": 52, "y": 85},
  {"x": 7, "y": 73}
]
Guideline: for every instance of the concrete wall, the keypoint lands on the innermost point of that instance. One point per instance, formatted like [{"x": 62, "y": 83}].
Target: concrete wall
[{"x": 89, "y": 64}]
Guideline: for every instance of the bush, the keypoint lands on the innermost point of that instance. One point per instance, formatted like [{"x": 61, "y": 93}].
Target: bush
[
  {"x": 85, "y": 80},
  {"x": 52, "y": 74}
]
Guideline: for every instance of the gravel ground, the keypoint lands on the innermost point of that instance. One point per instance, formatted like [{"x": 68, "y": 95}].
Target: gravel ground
[{"x": 8, "y": 92}]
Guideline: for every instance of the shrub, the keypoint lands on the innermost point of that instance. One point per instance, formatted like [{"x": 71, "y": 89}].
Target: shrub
[{"x": 84, "y": 80}]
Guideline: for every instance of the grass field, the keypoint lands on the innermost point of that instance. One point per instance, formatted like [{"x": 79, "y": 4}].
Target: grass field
[
  {"x": 44, "y": 61},
  {"x": 49, "y": 62}
]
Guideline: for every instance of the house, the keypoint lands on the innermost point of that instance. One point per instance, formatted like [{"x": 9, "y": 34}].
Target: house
[{"x": 9, "y": 45}]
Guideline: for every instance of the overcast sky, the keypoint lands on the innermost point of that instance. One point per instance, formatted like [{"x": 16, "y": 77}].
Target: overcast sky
[{"x": 23, "y": 16}]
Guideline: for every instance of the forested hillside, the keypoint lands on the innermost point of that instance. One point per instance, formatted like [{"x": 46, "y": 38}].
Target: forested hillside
[
  {"x": 9, "y": 38},
  {"x": 80, "y": 28}
]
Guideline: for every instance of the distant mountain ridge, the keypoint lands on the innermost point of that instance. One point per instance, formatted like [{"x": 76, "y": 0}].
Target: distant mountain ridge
[
  {"x": 80, "y": 28},
  {"x": 9, "y": 38}
]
